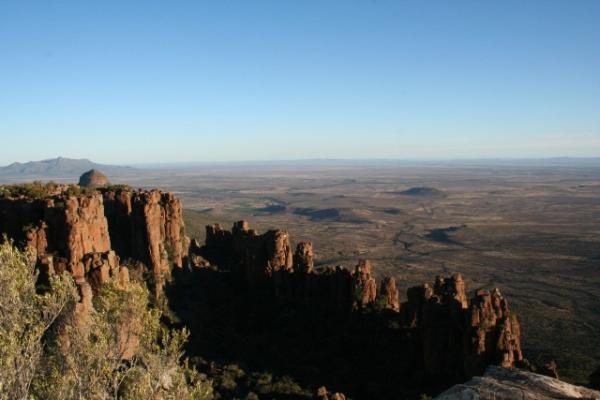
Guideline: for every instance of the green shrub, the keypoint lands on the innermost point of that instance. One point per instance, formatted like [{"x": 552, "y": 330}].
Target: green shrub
[
  {"x": 25, "y": 318},
  {"x": 52, "y": 349}
]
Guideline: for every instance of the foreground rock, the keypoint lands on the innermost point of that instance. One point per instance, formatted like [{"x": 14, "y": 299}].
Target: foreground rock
[{"x": 509, "y": 384}]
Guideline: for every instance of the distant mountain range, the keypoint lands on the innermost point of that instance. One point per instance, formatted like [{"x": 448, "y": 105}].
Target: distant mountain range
[{"x": 60, "y": 167}]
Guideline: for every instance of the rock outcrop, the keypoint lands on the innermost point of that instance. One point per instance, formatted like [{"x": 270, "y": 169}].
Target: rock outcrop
[
  {"x": 451, "y": 289},
  {"x": 442, "y": 334},
  {"x": 98, "y": 268},
  {"x": 508, "y": 384},
  {"x": 388, "y": 293},
  {"x": 68, "y": 227},
  {"x": 90, "y": 234},
  {"x": 147, "y": 226},
  {"x": 324, "y": 394},
  {"x": 364, "y": 287},
  {"x": 93, "y": 179},
  {"x": 491, "y": 324},
  {"x": 304, "y": 258}
]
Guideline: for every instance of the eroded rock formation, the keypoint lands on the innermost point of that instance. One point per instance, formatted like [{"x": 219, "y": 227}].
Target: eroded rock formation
[
  {"x": 388, "y": 293},
  {"x": 90, "y": 234},
  {"x": 439, "y": 333},
  {"x": 147, "y": 226},
  {"x": 364, "y": 286},
  {"x": 342, "y": 322},
  {"x": 304, "y": 258},
  {"x": 67, "y": 227},
  {"x": 324, "y": 394}
]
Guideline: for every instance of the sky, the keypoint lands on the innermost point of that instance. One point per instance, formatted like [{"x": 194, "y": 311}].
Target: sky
[{"x": 179, "y": 81}]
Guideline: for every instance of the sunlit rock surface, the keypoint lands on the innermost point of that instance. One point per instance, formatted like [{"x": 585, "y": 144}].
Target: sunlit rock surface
[{"x": 510, "y": 384}]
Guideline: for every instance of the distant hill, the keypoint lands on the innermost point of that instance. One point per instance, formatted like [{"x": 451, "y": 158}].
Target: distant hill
[
  {"x": 60, "y": 167},
  {"x": 420, "y": 191}
]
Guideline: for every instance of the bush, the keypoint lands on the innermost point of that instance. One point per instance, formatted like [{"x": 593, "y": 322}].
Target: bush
[
  {"x": 52, "y": 347},
  {"x": 25, "y": 318},
  {"x": 33, "y": 190},
  {"x": 39, "y": 190},
  {"x": 123, "y": 352}
]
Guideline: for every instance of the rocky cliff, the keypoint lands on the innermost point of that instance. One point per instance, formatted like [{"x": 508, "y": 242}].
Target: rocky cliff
[
  {"x": 437, "y": 334},
  {"x": 147, "y": 226},
  {"x": 264, "y": 301},
  {"x": 93, "y": 233},
  {"x": 66, "y": 227}
]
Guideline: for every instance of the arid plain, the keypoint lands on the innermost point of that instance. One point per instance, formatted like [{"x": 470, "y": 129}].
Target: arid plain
[{"x": 531, "y": 230}]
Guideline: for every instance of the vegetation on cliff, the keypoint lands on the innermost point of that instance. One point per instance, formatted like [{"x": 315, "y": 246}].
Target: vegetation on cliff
[
  {"x": 46, "y": 352},
  {"x": 39, "y": 190}
]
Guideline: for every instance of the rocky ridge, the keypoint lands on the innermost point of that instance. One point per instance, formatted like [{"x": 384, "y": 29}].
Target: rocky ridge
[{"x": 437, "y": 334}]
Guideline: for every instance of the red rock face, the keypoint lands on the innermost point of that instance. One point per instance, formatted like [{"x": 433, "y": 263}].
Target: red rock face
[
  {"x": 86, "y": 226},
  {"x": 75, "y": 233},
  {"x": 87, "y": 234},
  {"x": 36, "y": 237},
  {"x": 67, "y": 233},
  {"x": 147, "y": 226},
  {"x": 390, "y": 299},
  {"x": 494, "y": 331},
  {"x": 67, "y": 226},
  {"x": 324, "y": 394},
  {"x": 364, "y": 285},
  {"x": 451, "y": 290},
  {"x": 278, "y": 251},
  {"x": 98, "y": 268}
]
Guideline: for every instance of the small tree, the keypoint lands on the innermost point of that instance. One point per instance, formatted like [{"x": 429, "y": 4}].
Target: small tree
[
  {"x": 25, "y": 318},
  {"x": 115, "y": 350},
  {"x": 120, "y": 352}
]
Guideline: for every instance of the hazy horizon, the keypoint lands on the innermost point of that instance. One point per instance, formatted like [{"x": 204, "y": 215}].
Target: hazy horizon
[
  {"x": 128, "y": 82},
  {"x": 584, "y": 161}
]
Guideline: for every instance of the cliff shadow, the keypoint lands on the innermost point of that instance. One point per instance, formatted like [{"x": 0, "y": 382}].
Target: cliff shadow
[{"x": 365, "y": 355}]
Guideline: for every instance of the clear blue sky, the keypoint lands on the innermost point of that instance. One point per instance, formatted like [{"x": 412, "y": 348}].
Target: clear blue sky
[{"x": 160, "y": 81}]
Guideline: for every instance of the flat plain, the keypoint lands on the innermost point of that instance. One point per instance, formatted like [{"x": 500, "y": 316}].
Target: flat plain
[{"x": 531, "y": 230}]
